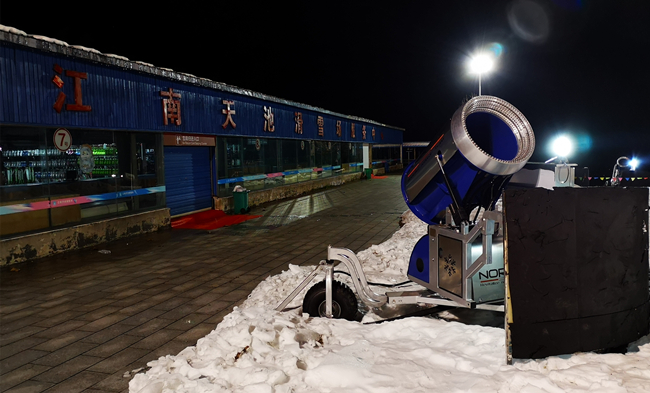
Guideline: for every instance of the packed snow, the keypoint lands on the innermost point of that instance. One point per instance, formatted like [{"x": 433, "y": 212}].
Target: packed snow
[{"x": 256, "y": 349}]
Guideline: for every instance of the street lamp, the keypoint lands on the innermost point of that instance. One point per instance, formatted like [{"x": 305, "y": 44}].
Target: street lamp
[
  {"x": 622, "y": 163},
  {"x": 480, "y": 64},
  {"x": 562, "y": 147}
]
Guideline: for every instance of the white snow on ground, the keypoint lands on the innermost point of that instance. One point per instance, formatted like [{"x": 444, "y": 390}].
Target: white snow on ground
[{"x": 259, "y": 350}]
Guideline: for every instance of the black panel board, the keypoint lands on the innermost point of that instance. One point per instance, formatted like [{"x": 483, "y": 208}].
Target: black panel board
[{"x": 578, "y": 268}]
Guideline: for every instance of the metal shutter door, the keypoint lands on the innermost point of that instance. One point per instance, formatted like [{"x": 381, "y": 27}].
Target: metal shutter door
[{"x": 187, "y": 179}]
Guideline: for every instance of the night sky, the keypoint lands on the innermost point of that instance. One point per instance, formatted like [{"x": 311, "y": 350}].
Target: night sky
[{"x": 571, "y": 66}]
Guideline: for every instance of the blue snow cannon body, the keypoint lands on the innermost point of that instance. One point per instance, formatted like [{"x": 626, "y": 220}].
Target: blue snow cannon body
[{"x": 465, "y": 168}]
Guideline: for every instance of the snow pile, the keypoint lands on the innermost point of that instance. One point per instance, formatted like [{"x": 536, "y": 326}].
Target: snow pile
[
  {"x": 388, "y": 262},
  {"x": 259, "y": 350}
]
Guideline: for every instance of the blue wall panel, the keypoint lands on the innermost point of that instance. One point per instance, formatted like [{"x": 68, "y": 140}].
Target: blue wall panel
[{"x": 131, "y": 100}]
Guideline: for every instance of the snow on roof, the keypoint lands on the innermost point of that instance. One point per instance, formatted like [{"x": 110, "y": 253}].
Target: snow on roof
[
  {"x": 52, "y": 40},
  {"x": 144, "y": 64},
  {"x": 13, "y": 30},
  {"x": 116, "y": 56},
  {"x": 86, "y": 49}
]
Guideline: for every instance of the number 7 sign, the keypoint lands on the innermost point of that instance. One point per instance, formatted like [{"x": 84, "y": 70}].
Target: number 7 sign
[{"x": 62, "y": 139}]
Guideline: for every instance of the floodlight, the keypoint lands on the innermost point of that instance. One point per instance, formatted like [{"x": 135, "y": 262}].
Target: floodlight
[
  {"x": 480, "y": 64},
  {"x": 622, "y": 162},
  {"x": 562, "y": 146}
]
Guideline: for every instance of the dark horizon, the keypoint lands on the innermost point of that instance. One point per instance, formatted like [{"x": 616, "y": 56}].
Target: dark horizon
[{"x": 569, "y": 66}]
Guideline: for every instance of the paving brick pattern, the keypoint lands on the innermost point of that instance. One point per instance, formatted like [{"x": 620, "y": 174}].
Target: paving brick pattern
[{"x": 78, "y": 321}]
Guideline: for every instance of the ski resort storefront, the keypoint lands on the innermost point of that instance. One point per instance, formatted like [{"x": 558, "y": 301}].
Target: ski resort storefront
[{"x": 98, "y": 141}]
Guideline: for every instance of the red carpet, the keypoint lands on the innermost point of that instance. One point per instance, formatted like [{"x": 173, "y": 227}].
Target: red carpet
[
  {"x": 209, "y": 219},
  {"x": 378, "y": 177}
]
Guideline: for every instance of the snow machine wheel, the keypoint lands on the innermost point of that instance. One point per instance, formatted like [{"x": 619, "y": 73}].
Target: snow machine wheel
[{"x": 344, "y": 302}]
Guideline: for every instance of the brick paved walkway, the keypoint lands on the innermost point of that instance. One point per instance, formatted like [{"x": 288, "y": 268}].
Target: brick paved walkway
[{"x": 79, "y": 321}]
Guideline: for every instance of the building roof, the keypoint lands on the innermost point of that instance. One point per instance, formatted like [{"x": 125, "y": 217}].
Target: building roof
[{"x": 47, "y": 44}]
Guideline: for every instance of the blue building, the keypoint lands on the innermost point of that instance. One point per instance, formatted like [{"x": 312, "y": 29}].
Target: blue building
[{"x": 87, "y": 137}]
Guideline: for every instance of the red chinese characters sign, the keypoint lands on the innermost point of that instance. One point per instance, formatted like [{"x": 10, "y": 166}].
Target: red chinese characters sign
[
  {"x": 229, "y": 112},
  {"x": 171, "y": 107},
  {"x": 269, "y": 120},
  {"x": 76, "y": 76},
  {"x": 298, "y": 120}
]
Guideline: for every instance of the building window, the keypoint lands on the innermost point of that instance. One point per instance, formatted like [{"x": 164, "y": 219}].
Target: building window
[{"x": 98, "y": 174}]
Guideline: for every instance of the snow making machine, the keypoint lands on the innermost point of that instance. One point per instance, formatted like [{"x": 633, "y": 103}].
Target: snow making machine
[{"x": 454, "y": 187}]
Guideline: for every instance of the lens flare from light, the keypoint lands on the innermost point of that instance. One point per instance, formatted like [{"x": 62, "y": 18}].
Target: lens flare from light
[
  {"x": 496, "y": 49},
  {"x": 480, "y": 64},
  {"x": 633, "y": 164},
  {"x": 562, "y": 146}
]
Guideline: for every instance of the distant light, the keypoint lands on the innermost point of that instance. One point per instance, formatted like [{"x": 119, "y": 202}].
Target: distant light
[
  {"x": 633, "y": 164},
  {"x": 480, "y": 64},
  {"x": 562, "y": 146},
  {"x": 113, "y": 175}
]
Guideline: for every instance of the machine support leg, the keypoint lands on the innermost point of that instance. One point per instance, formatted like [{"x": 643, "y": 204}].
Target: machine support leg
[
  {"x": 457, "y": 211},
  {"x": 329, "y": 277},
  {"x": 300, "y": 287}
]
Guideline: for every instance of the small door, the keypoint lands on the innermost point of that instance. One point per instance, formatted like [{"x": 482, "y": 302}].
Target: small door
[{"x": 187, "y": 179}]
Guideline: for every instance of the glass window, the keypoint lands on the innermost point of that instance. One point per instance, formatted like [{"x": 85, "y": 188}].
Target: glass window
[
  {"x": 346, "y": 152},
  {"x": 253, "y": 156},
  {"x": 336, "y": 158},
  {"x": 326, "y": 156},
  {"x": 289, "y": 154},
  {"x": 305, "y": 160},
  {"x": 92, "y": 178},
  {"x": 358, "y": 157}
]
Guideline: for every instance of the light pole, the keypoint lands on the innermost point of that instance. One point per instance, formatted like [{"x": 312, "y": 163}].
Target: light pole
[{"x": 480, "y": 64}]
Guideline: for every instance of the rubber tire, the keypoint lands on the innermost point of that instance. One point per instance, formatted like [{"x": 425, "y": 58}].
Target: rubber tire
[{"x": 344, "y": 302}]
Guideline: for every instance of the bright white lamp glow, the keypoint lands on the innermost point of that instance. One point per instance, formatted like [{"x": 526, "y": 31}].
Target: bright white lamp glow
[
  {"x": 633, "y": 164},
  {"x": 562, "y": 146},
  {"x": 480, "y": 64}
]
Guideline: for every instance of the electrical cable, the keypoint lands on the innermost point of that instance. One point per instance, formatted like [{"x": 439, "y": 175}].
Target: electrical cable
[{"x": 376, "y": 283}]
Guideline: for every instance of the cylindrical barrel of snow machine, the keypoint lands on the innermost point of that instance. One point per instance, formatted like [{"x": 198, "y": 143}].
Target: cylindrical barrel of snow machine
[{"x": 487, "y": 142}]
